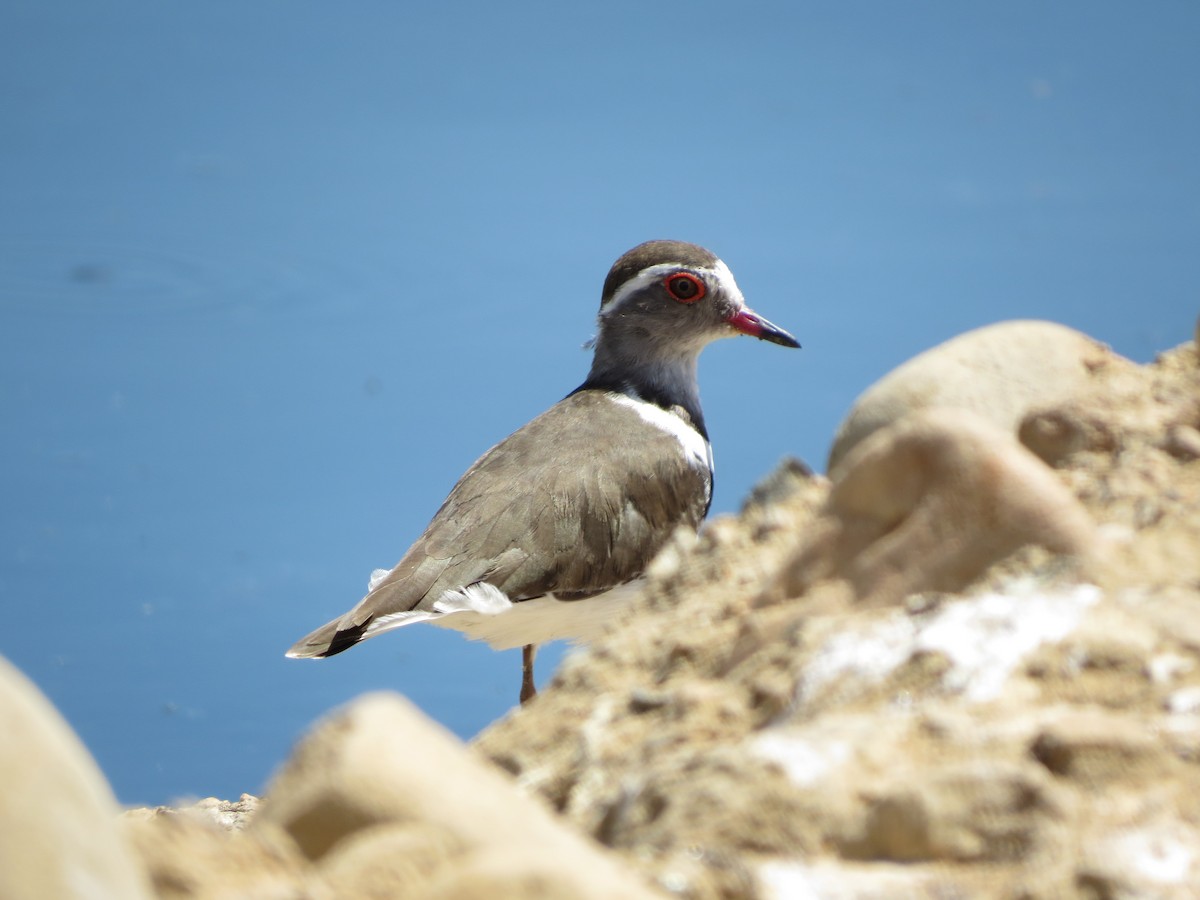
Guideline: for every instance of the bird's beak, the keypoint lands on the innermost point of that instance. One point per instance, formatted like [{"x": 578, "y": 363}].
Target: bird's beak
[{"x": 748, "y": 322}]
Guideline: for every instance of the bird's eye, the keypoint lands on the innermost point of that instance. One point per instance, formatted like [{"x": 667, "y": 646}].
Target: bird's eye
[{"x": 684, "y": 287}]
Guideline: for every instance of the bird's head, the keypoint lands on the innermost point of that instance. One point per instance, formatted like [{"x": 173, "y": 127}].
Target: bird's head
[{"x": 671, "y": 299}]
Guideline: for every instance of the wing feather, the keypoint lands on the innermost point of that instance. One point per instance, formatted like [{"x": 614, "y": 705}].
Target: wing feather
[{"x": 576, "y": 502}]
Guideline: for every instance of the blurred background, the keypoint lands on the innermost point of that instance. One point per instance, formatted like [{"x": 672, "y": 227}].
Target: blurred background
[{"x": 274, "y": 273}]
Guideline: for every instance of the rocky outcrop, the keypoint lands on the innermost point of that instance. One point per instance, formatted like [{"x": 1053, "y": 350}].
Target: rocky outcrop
[
  {"x": 927, "y": 504},
  {"x": 965, "y": 664},
  {"x": 998, "y": 372},
  {"x": 381, "y": 800},
  {"x": 378, "y": 801},
  {"x": 57, "y": 813},
  {"x": 207, "y": 851}
]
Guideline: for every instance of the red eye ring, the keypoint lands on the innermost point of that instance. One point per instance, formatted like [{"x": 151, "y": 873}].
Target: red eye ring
[{"x": 684, "y": 287}]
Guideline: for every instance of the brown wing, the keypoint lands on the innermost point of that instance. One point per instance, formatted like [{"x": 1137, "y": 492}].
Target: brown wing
[{"x": 576, "y": 502}]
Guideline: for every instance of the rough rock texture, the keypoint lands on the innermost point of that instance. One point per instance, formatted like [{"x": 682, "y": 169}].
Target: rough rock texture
[
  {"x": 380, "y": 765},
  {"x": 204, "y": 851},
  {"x": 942, "y": 486},
  {"x": 953, "y": 671},
  {"x": 378, "y": 801},
  {"x": 965, "y": 665},
  {"x": 58, "y": 836}
]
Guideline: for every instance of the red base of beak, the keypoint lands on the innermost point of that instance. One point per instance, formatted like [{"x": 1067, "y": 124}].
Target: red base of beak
[{"x": 751, "y": 323}]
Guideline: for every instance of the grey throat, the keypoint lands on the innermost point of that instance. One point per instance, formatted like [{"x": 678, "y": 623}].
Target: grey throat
[{"x": 546, "y": 535}]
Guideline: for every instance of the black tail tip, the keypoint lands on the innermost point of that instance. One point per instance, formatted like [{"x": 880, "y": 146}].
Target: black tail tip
[{"x": 346, "y": 638}]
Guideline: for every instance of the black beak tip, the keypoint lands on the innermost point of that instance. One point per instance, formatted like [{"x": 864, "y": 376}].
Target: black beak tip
[{"x": 782, "y": 338}]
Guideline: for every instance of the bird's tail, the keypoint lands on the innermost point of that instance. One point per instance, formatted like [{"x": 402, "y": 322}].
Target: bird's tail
[{"x": 328, "y": 640}]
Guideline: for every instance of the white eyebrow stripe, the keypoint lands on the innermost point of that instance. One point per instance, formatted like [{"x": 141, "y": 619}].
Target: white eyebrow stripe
[
  {"x": 641, "y": 280},
  {"x": 725, "y": 277},
  {"x": 719, "y": 271}
]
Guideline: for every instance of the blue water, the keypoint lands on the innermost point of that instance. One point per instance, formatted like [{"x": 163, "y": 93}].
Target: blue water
[{"x": 273, "y": 274}]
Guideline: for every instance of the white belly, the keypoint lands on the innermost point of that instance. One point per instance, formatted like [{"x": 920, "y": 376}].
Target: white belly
[{"x": 483, "y": 613}]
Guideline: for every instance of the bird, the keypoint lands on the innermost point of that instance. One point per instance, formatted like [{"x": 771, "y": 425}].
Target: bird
[{"x": 547, "y": 535}]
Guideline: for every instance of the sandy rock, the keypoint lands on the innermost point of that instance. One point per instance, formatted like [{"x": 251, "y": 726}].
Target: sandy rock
[
  {"x": 398, "y": 859},
  {"x": 515, "y": 870},
  {"x": 1136, "y": 481},
  {"x": 969, "y": 812},
  {"x": 380, "y": 762},
  {"x": 929, "y": 503},
  {"x": 1183, "y": 442},
  {"x": 965, "y": 667},
  {"x": 1098, "y": 747},
  {"x": 1000, "y": 724},
  {"x": 230, "y": 815},
  {"x": 57, "y": 813},
  {"x": 999, "y": 372},
  {"x": 1159, "y": 407},
  {"x": 820, "y": 878},
  {"x": 1157, "y": 858},
  {"x": 199, "y": 853}
]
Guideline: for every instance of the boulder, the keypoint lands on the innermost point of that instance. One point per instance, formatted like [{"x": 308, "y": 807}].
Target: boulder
[
  {"x": 379, "y": 796},
  {"x": 964, "y": 665},
  {"x": 999, "y": 372},
  {"x": 57, "y": 812},
  {"x": 203, "y": 852},
  {"x": 928, "y": 503}
]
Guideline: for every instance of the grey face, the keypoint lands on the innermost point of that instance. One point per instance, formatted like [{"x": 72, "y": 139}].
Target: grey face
[{"x": 673, "y": 298}]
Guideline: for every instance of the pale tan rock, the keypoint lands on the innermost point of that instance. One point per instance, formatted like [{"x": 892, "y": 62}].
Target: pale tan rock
[
  {"x": 1183, "y": 442},
  {"x": 1155, "y": 858},
  {"x": 1109, "y": 660},
  {"x": 232, "y": 815},
  {"x": 380, "y": 761},
  {"x": 1099, "y": 748},
  {"x": 192, "y": 855},
  {"x": 516, "y": 870},
  {"x": 390, "y": 860},
  {"x": 716, "y": 795},
  {"x": 1173, "y": 612},
  {"x": 1058, "y": 432},
  {"x": 999, "y": 372},
  {"x": 1122, "y": 447},
  {"x": 1037, "y": 736},
  {"x": 805, "y": 743},
  {"x": 927, "y": 504},
  {"x": 1123, "y": 407},
  {"x": 968, "y": 812},
  {"x": 58, "y": 831},
  {"x": 875, "y": 880}
]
